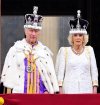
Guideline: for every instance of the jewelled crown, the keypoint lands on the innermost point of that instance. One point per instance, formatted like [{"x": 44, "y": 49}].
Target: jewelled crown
[
  {"x": 33, "y": 20},
  {"x": 78, "y": 25}
]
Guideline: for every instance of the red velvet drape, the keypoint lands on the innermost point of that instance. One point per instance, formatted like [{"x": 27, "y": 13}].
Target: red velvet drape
[{"x": 51, "y": 99}]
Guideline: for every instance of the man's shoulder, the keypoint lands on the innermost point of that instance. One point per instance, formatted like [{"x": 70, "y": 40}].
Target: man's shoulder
[
  {"x": 45, "y": 48},
  {"x": 48, "y": 50},
  {"x": 20, "y": 45},
  {"x": 19, "y": 42}
]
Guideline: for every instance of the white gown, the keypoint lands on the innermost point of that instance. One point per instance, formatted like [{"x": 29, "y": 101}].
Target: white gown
[{"x": 76, "y": 73}]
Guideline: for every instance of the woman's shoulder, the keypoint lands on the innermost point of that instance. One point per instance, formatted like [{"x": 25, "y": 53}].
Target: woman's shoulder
[
  {"x": 89, "y": 47},
  {"x": 63, "y": 48}
]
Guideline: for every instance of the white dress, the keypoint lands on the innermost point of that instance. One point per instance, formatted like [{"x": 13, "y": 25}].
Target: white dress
[{"x": 76, "y": 73}]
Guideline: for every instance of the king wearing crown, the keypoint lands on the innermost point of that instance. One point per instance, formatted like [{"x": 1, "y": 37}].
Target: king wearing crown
[{"x": 28, "y": 66}]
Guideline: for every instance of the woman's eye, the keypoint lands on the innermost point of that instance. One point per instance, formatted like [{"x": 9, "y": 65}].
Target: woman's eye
[
  {"x": 80, "y": 35},
  {"x": 75, "y": 35}
]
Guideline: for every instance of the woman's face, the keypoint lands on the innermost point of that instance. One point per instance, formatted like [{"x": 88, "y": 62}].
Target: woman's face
[
  {"x": 31, "y": 35},
  {"x": 78, "y": 39}
]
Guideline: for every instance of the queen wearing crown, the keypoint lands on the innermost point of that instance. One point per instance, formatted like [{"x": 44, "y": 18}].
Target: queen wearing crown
[{"x": 76, "y": 66}]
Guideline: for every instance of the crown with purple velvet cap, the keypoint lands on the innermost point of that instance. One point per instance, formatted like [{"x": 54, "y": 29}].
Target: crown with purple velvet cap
[{"x": 33, "y": 20}]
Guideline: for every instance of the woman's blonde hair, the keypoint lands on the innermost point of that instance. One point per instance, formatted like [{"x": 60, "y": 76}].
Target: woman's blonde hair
[{"x": 86, "y": 39}]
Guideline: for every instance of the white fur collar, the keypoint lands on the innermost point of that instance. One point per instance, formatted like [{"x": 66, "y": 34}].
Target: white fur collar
[{"x": 22, "y": 45}]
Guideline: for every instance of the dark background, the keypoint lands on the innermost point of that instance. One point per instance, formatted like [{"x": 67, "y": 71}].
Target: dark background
[{"x": 90, "y": 11}]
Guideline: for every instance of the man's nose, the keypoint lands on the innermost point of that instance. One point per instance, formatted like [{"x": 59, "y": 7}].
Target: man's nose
[{"x": 33, "y": 33}]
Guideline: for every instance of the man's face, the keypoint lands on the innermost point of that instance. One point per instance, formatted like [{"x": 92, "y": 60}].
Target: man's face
[{"x": 31, "y": 35}]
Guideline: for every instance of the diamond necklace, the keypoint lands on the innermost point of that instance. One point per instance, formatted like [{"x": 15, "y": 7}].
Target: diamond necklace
[{"x": 78, "y": 52}]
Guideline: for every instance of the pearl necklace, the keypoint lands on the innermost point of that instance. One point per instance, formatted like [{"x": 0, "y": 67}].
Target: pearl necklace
[{"x": 78, "y": 52}]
